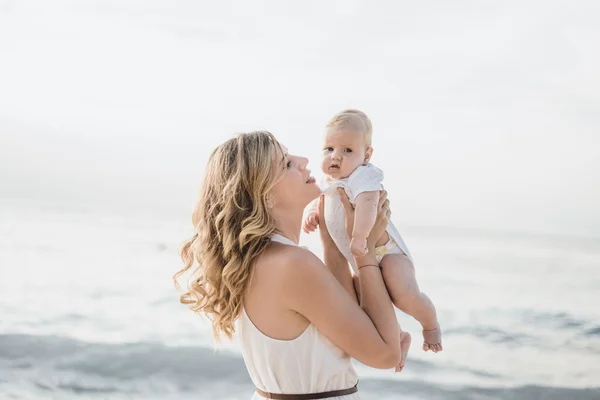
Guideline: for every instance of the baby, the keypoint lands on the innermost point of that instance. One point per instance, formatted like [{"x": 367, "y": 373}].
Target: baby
[{"x": 346, "y": 154}]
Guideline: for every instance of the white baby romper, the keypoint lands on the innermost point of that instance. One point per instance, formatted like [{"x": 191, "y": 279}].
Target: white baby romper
[{"x": 365, "y": 178}]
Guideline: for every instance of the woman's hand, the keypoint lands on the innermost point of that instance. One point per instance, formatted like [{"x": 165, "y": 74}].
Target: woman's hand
[{"x": 383, "y": 217}]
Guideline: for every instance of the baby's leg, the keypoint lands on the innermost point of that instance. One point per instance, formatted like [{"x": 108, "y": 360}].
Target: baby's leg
[{"x": 400, "y": 280}]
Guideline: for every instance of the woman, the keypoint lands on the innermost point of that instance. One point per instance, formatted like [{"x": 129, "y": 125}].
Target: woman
[{"x": 299, "y": 322}]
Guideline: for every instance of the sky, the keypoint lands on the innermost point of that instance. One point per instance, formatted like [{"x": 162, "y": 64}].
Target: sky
[{"x": 486, "y": 115}]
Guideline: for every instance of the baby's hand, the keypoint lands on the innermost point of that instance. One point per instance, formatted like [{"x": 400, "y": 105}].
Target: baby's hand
[
  {"x": 358, "y": 246},
  {"x": 311, "y": 222}
]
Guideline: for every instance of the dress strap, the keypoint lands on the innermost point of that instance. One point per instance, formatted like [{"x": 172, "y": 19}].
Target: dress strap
[{"x": 276, "y": 237}]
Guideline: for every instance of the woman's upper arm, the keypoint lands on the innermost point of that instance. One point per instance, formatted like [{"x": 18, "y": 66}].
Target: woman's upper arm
[{"x": 312, "y": 291}]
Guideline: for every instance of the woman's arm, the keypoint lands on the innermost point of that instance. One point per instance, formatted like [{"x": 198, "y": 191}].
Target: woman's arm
[
  {"x": 368, "y": 333},
  {"x": 388, "y": 328},
  {"x": 333, "y": 258}
]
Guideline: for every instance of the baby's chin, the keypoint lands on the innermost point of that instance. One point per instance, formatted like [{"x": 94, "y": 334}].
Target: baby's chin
[{"x": 335, "y": 176}]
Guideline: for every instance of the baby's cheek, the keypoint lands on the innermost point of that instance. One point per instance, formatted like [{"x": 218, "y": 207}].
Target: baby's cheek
[{"x": 349, "y": 168}]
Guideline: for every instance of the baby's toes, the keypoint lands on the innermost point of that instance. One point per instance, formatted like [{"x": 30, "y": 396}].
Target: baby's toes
[{"x": 432, "y": 339}]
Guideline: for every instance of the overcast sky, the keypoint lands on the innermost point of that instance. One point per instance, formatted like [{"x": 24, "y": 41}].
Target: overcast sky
[{"x": 486, "y": 113}]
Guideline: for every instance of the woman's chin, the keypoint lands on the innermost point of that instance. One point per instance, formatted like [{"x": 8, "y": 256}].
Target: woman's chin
[{"x": 314, "y": 190}]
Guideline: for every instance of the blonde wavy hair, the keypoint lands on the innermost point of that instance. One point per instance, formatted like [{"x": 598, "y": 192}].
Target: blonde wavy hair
[{"x": 232, "y": 226}]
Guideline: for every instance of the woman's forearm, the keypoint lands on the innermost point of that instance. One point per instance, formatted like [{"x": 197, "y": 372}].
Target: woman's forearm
[
  {"x": 338, "y": 265},
  {"x": 377, "y": 304}
]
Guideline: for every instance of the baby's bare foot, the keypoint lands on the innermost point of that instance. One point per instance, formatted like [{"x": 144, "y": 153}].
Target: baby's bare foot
[
  {"x": 404, "y": 347},
  {"x": 432, "y": 339}
]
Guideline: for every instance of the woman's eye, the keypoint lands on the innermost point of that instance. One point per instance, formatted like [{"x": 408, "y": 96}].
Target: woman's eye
[
  {"x": 289, "y": 164},
  {"x": 348, "y": 150}
]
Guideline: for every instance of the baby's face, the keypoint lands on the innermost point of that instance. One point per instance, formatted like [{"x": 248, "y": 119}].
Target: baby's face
[{"x": 343, "y": 151}]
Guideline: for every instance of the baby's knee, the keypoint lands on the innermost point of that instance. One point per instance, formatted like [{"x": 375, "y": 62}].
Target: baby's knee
[
  {"x": 406, "y": 300},
  {"x": 408, "y": 294}
]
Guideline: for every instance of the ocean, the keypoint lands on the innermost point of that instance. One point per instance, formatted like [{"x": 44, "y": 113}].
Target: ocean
[
  {"x": 486, "y": 124},
  {"x": 89, "y": 311}
]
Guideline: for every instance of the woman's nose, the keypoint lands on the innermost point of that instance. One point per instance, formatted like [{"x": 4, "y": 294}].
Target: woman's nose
[{"x": 303, "y": 162}]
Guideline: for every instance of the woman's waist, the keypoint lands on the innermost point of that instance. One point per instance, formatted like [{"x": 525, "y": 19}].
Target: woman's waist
[
  {"x": 300, "y": 384},
  {"x": 301, "y": 375},
  {"x": 353, "y": 396}
]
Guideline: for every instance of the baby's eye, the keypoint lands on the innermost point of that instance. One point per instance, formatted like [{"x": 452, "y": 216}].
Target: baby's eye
[
  {"x": 328, "y": 148},
  {"x": 348, "y": 150}
]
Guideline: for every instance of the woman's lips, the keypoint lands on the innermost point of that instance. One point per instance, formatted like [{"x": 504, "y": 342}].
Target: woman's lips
[{"x": 311, "y": 180}]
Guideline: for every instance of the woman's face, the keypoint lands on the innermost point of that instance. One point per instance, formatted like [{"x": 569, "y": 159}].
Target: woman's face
[{"x": 297, "y": 188}]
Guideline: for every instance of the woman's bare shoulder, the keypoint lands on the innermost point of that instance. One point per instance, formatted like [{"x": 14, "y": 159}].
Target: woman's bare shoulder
[{"x": 290, "y": 261}]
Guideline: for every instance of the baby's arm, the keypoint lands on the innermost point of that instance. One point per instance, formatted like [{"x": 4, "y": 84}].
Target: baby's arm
[
  {"x": 364, "y": 219},
  {"x": 312, "y": 217}
]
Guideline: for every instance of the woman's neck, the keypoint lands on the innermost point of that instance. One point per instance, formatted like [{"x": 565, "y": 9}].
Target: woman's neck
[{"x": 288, "y": 223}]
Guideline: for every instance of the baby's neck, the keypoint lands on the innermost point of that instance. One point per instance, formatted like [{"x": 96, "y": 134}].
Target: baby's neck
[{"x": 332, "y": 179}]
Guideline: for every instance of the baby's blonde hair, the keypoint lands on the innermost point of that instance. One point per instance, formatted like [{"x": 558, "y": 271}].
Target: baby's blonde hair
[
  {"x": 232, "y": 226},
  {"x": 352, "y": 119}
]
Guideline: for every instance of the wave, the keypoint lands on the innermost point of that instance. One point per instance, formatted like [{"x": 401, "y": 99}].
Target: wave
[
  {"x": 72, "y": 369},
  {"x": 494, "y": 335},
  {"x": 388, "y": 390},
  {"x": 51, "y": 364},
  {"x": 593, "y": 331},
  {"x": 127, "y": 361},
  {"x": 555, "y": 320},
  {"x": 577, "y": 332}
]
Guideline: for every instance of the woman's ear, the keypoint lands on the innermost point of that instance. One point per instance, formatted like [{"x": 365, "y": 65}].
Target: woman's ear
[
  {"x": 270, "y": 203},
  {"x": 368, "y": 154}
]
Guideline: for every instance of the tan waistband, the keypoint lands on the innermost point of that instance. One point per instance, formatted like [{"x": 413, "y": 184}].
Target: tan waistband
[{"x": 308, "y": 396}]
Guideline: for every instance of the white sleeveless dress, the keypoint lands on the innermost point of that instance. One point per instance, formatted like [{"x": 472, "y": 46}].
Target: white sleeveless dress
[{"x": 309, "y": 363}]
